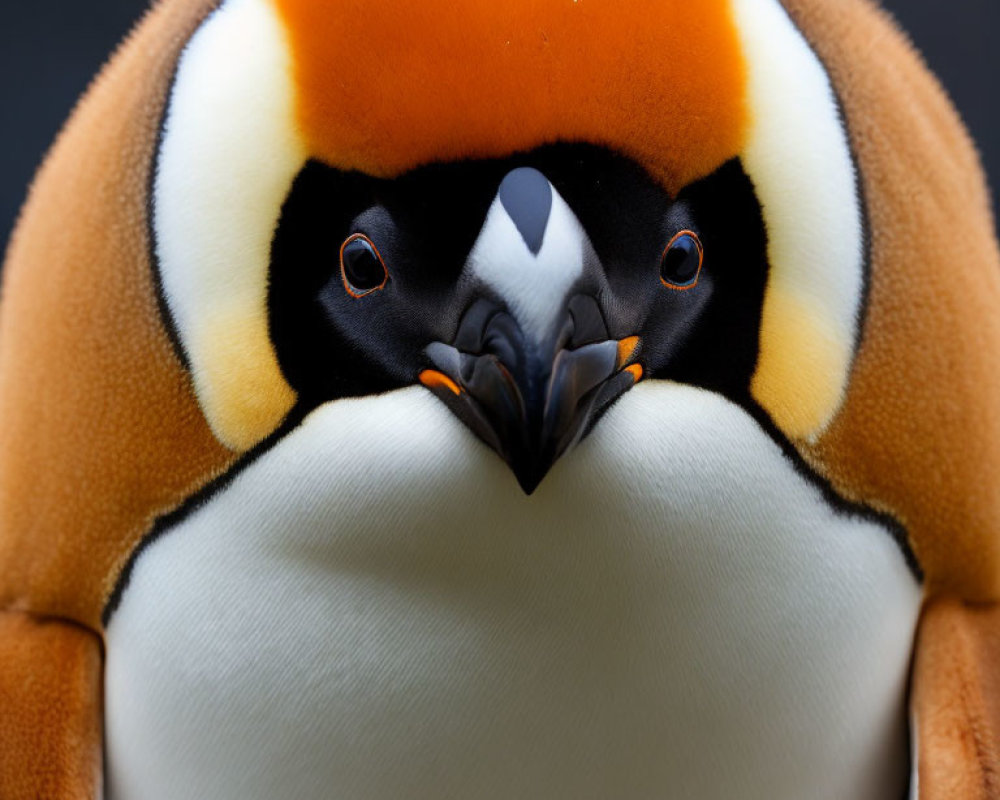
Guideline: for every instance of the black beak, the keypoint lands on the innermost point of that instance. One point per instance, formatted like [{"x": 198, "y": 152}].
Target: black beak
[{"x": 531, "y": 403}]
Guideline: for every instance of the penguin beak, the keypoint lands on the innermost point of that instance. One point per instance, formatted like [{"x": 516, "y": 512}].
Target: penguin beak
[
  {"x": 530, "y": 404},
  {"x": 532, "y": 365}
]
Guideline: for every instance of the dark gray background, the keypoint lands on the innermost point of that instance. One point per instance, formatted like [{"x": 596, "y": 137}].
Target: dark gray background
[{"x": 49, "y": 49}]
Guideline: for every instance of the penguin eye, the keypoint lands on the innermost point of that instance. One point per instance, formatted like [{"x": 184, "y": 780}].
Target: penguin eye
[
  {"x": 361, "y": 266},
  {"x": 680, "y": 264}
]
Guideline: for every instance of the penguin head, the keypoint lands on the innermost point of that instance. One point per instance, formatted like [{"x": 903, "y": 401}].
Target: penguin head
[{"x": 527, "y": 240}]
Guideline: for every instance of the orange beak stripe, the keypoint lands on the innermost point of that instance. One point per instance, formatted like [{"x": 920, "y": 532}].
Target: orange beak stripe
[
  {"x": 433, "y": 379},
  {"x": 627, "y": 348},
  {"x": 635, "y": 370}
]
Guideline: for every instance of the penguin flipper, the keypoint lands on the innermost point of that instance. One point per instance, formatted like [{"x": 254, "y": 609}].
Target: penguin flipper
[
  {"x": 50, "y": 696},
  {"x": 956, "y": 701}
]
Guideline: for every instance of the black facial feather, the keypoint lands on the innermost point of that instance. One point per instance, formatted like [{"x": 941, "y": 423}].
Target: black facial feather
[
  {"x": 424, "y": 224},
  {"x": 721, "y": 350}
]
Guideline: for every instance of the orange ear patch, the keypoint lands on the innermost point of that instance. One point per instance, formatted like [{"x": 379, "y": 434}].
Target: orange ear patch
[{"x": 387, "y": 85}]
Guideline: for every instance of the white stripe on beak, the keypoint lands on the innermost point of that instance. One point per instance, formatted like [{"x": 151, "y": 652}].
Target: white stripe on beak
[{"x": 533, "y": 286}]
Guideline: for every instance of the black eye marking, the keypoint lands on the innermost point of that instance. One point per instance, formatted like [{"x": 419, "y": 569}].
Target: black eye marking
[
  {"x": 361, "y": 266},
  {"x": 680, "y": 264}
]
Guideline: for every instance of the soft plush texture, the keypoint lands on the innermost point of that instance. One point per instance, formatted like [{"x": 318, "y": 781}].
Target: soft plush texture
[
  {"x": 593, "y": 85},
  {"x": 916, "y": 411},
  {"x": 431, "y": 613},
  {"x": 134, "y": 372},
  {"x": 51, "y": 701},
  {"x": 85, "y": 357},
  {"x": 956, "y": 703}
]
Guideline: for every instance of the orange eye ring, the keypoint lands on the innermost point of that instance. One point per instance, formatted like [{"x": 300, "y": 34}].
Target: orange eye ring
[
  {"x": 365, "y": 249},
  {"x": 688, "y": 239}
]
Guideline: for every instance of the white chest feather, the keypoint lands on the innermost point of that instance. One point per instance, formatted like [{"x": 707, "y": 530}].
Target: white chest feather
[{"x": 373, "y": 609}]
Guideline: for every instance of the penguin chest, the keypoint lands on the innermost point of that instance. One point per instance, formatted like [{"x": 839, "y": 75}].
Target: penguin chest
[{"x": 373, "y": 609}]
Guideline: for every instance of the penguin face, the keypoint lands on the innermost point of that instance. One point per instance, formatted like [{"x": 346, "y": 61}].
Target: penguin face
[
  {"x": 527, "y": 293},
  {"x": 695, "y": 194}
]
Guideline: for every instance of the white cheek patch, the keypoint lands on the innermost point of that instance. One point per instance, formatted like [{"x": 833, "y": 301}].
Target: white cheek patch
[
  {"x": 799, "y": 159},
  {"x": 533, "y": 286},
  {"x": 229, "y": 153}
]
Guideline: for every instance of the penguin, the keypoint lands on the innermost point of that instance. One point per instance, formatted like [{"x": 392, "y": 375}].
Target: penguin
[{"x": 562, "y": 399}]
